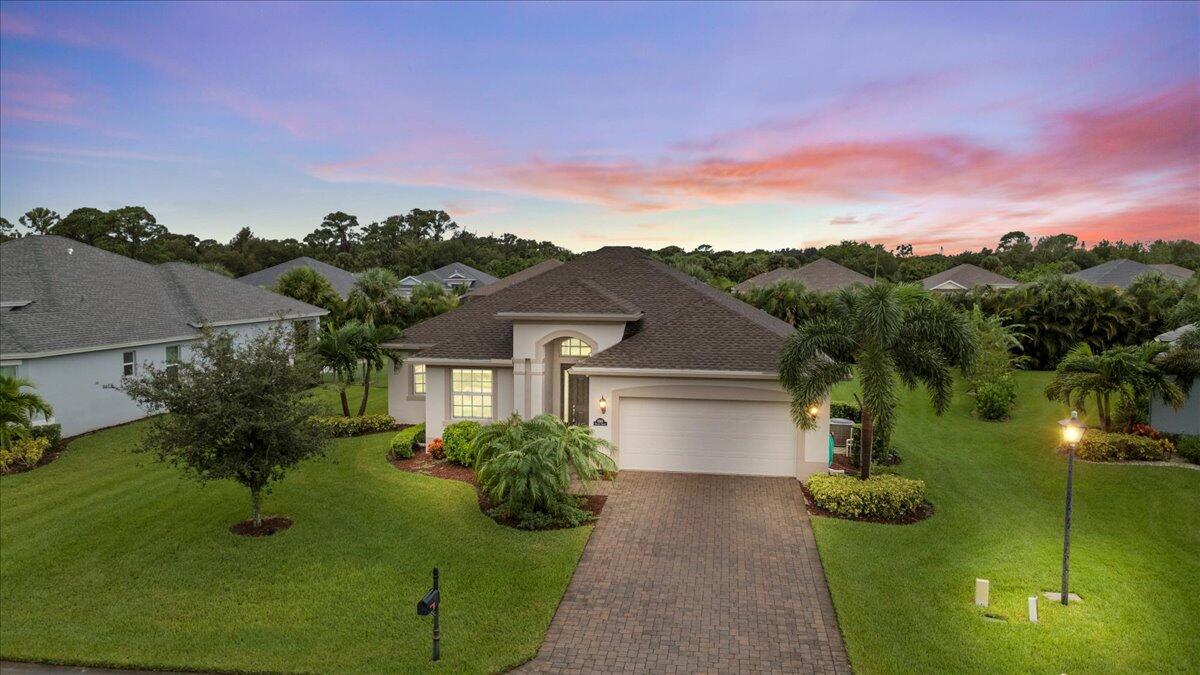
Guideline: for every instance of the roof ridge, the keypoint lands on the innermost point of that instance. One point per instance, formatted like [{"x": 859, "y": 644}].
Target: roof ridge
[
  {"x": 181, "y": 298},
  {"x": 722, "y": 299}
]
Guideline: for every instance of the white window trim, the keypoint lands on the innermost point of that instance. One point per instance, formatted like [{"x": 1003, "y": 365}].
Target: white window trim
[
  {"x": 562, "y": 346},
  {"x": 413, "y": 394},
  {"x": 131, "y": 364},
  {"x": 450, "y": 395}
]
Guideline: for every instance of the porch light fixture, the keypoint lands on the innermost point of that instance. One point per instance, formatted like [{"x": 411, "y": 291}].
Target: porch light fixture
[
  {"x": 603, "y": 405},
  {"x": 813, "y": 410},
  {"x": 1072, "y": 432}
]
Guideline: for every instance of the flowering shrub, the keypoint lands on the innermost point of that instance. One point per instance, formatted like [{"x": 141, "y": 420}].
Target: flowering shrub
[
  {"x": 1146, "y": 430},
  {"x": 437, "y": 448},
  {"x": 23, "y": 453}
]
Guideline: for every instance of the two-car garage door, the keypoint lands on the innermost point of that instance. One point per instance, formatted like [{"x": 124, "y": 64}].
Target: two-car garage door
[{"x": 707, "y": 436}]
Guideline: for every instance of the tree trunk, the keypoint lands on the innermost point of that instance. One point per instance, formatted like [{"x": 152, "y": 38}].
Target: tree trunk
[
  {"x": 864, "y": 447},
  {"x": 345, "y": 403},
  {"x": 362, "y": 406},
  {"x": 256, "y": 506}
]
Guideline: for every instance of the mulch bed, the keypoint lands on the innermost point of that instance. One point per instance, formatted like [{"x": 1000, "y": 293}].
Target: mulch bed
[
  {"x": 47, "y": 457},
  {"x": 917, "y": 516},
  {"x": 593, "y": 504},
  {"x": 268, "y": 527},
  {"x": 426, "y": 465}
]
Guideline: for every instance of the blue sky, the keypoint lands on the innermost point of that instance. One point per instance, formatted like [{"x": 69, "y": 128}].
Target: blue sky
[{"x": 740, "y": 126}]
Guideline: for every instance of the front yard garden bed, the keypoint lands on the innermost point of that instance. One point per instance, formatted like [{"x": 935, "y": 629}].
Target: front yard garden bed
[
  {"x": 915, "y": 516},
  {"x": 269, "y": 526}
]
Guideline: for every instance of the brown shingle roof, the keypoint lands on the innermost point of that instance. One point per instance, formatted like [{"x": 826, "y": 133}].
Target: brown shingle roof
[
  {"x": 820, "y": 275},
  {"x": 968, "y": 276},
  {"x": 686, "y": 324},
  {"x": 1122, "y": 272},
  {"x": 516, "y": 277}
]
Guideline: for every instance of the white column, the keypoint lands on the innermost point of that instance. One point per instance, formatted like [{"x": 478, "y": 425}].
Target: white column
[{"x": 537, "y": 388}]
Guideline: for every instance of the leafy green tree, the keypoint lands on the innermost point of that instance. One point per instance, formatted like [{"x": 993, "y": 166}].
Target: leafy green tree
[
  {"x": 135, "y": 227},
  {"x": 886, "y": 333},
  {"x": 375, "y": 297},
  {"x": 215, "y": 268},
  {"x": 1131, "y": 373},
  {"x": 8, "y": 231},
  {"x": 40, "y": 220},
  {"x": 238, "y": 411},
  {"x": 17, "y": 409},
  {"x": 308, "y": 285},
  {"x": 89, "y": 225},
  {"x": 336, "y": 233}
]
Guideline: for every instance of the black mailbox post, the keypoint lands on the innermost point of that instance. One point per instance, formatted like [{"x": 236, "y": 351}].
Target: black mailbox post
[{"x": 429, "y": 605}]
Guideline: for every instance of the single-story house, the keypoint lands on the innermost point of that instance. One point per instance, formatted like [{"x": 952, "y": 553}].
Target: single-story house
[
  {"x": 678, "y": 375},
  {"x": 341, "y": 280},
  {"x": 965, "y": 277},
  {"x": 1122, "y": 272},
  {"x": 455, "y": 277},
  {"x": 1166, "y": 418},
  {"x": 820, "y": 275},
  {"x": 74, "y": 318}
]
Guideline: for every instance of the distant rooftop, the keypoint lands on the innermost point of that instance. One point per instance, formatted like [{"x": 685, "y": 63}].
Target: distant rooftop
[
  {"x": 341, "y": 280},
  {"x": 964, "y": 277},
  {"x": 820, "y": 275},
  {"x": 1122, "y": 272}
]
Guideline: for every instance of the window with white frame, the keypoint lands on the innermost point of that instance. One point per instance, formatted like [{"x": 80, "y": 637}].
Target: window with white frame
[
  {"x": 471, "y": 393},
  {"x": 418, "y": 379},
  {"x": 173, "y": 357},
  {"x": 129, "y": 363},
  {"x": 8, "y": 371},
  {"x": 574, "y": 347}
]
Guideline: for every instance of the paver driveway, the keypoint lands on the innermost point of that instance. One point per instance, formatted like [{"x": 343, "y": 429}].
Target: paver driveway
[{"x": 690, "y": 573}]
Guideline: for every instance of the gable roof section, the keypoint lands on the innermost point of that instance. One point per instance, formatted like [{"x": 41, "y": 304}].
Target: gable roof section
[
  {"x": 821, "y": 275},
  {"x": 685, "y": 324},
  {"x": 967, "y": 276},
  {"x": 341, "y": 280},
  {"x": 1122, "y": 272},
  {"x": 452, "y": 272},
  {"x": 517, "y": 277},
  {"x": 575, "y": 296},
  {"x": 81, "y": 298}
]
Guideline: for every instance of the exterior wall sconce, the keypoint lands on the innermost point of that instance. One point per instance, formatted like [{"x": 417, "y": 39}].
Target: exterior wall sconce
[
  {"x": 814, "y": 410},
  {"x": 603, "y": 405}
]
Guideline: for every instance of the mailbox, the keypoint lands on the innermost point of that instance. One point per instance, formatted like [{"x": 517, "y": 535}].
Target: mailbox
[{"x": 429, "y": 603}]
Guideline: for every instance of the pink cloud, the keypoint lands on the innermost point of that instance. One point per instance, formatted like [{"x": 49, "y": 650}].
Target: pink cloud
[{"x": 39, "y": 97}]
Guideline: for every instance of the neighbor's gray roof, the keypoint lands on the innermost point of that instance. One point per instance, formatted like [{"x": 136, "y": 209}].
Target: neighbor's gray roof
[
  {"x": 82, "y": 298},
  {"x": 517, "y": 277},
  {"x": 341, "y": 280},
  {"x": 442, "y": 274},
  {"x": 968, "y": 276},
  {"x": 1122, "y": 272},
  {"x": 820, "y": 275},
  {"x": 1173, "y": 335},
  {"x": 686, "y": 324}
]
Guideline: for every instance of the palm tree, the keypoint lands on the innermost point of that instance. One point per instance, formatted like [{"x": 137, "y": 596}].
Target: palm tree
[
  {"x": 337, "y": 350},
  {"x": 789, "y": 301},
  {"x": 1132, "y": 373},
  {"x": 373, "y": 355},
  {"x": 429, "y": 300},
  {"x": 888, "y": 333},
  {"x": 375, "y": 297},
  {"x": 308, "y": 285},
  {"x": 17, "y": 409}
]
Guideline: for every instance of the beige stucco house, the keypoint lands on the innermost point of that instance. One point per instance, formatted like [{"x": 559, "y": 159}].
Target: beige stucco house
[{"x": 679, "y": 376}]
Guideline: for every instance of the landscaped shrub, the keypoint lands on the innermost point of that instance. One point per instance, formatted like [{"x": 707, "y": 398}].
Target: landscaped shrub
[
  {"x": 403, "y": 442},
  {"x": 50, "y": 432},
  {"x": 338, "y": 426},
  {"x": 995, "y": 398},
  {"x": 1188, "y": 448},
  {"x": 459, "y": 438},
  {"x": 23, "y": 453},
  {"x": 844, "y": 410},
  {"x": 884, "y": 496},
  {"x": 436, "y": 448},
  {"x": 1099, "y": 446}
]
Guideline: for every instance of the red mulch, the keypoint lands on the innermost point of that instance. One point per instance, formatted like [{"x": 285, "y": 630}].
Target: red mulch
[
  {"x": 843, "y": 462},
  {"x": 909, "y": 518},
  {"x": 269, "y": 526}
]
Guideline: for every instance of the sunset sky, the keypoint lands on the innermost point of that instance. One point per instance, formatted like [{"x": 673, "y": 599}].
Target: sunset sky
[{"x": 739, "y": 126}]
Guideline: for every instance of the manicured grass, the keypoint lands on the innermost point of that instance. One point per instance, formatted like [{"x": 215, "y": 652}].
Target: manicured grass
[
  {"x": 108, "y": 558},
  {"x": 904, "y": 593},
  {"x": 327, "y": 395}
]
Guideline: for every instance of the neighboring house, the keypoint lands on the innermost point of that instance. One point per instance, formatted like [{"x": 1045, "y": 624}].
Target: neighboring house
[
  {"x": 965, "y": 277},
  {"x": 455, "y": 277},
  {"x": 1163, "y": 416},
  {"x": 341, "y": 280},
  {"x": 1122, "y": 272},
  {"x": 74, "y": 318},
  {"x": 678, "y": 375},
  {"x": 820, "y": 275}
]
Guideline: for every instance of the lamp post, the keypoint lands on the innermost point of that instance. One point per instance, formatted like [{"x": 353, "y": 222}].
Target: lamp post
[{"x": 1072, "y": 431}]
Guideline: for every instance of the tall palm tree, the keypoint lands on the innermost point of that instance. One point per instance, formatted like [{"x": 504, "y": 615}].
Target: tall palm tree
[
  {"x": 373, "y": 355},
  {"x": 888, "y": 333},
  {"x": 17, "y": 409},
  {"x": 308, "y": 285},
  {"x": 375, "y": 297},
  {"x": 1132, "y": 373}
]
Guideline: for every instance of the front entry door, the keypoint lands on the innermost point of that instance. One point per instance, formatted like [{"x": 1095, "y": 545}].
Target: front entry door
[{"x": 575, "y": 398}]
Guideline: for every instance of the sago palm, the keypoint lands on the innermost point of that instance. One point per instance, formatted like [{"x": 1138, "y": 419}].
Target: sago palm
[
  {"x": 17, "y": 409},
  {"x": 889, "y": 334}
]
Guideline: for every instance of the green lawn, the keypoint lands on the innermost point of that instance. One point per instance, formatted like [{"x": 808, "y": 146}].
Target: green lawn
[
  {"x": 108, "y": 558},
  {"x": 904, "y": 593},
  {"x": 327, "y": 395}
]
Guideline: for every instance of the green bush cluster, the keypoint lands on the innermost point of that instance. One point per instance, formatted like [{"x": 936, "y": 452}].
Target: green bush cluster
[
  {"x": 50, "y": 432},
  {"x": 995, "y": 398},
  {"x": 403, "y": 442},
  {"x": 1188, "y": 448},
  {"x": 459, "y": 439},
  {"x": 884, "y": 496},
  {"x": 1099, "y": 446},
  {"x": 845, "y": 410},
  {"x": 338, "y": 426},
  {"x": 23, "y": 453}
]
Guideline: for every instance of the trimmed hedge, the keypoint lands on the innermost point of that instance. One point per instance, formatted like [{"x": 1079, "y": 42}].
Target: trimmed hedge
[
  {"x": 459, "y": 438},
  {"x": 338, "y": 426},
  {"x": 883, "y": 496},
  {"x": 849, "y": 411},
  {"x": 402, "y": 443},
  {"x": 24, "y": 453},
  {"x": 50, "y": 432},
  {"x": 1189, "y": 448},
  {"x": 1098, "y": 446},
  {"x": 995, "y": 398}
]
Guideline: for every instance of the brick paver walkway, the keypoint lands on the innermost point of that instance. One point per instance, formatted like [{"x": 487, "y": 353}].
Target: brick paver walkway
[{"x": 693, "y": 573}]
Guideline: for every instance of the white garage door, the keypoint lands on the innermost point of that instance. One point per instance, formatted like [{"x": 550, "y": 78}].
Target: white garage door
[{"x": 706, "y": 436}]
